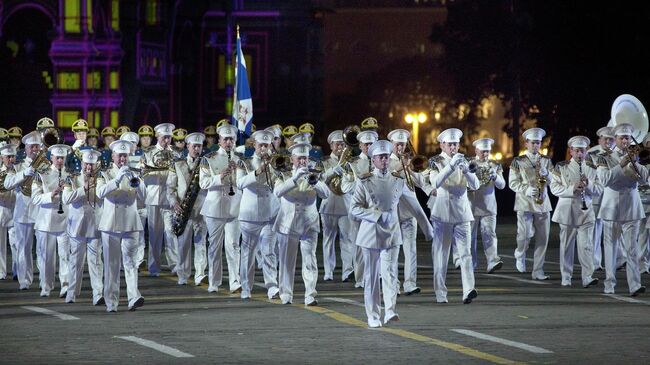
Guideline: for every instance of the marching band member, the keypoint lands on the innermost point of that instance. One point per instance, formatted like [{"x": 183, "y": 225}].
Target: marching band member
[
  {"x": 451, "y": 215},
  {"x": 484, "y": 205},
  {"x": 334, "y": 215},
  {"x": 221, "y": 209},
  {"x": 287, "y": 133},
  {"x": 15, "y": 135},
  {"x": 91, "y": 138},
  {"x": 108, "y": 136},
  {"x": 134, "y": 159},
  {"x": 375, "y": 203},
  {"x": 210, "y": 139},
  {"x": 159, "y": 215},
  {"x": 180, "y": 182},
  {"x": 257, "y": 212},
  {"x": 361, "y": 167},
  {"x": 529, "y": 175},
  {"x": 145, "y": 132},
  {"x": 50, "y": 226},
  {"x": 621, "y": 209},
  {"x": 80, "y": 198},
  {"x": 277, "y": 137},
  {"x": 575, "y": 183},
  {"x": 7, "y": 204},
  {"x": 408, "y": 224},
  {"x": 178, "y": 135},
  {"x": 121, "y": 130},
  {"x": 297, "y": 224},
  {"x": 80, "y": 130},
  {"x": 369, "y": 124},
  {"x": 25, "y": 211},
  {"x": 120, "y": 226}
]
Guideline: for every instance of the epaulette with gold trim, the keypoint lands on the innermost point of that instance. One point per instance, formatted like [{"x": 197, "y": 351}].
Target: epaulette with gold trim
[
  {"x": 544, "y": 156},
  {"x": 590, "y": 164},
  {"x": 211, "y": 154},
  {"x": 602, "y": 161},
  {"x": 514, "y": 165},
  {"x": 365, "y": 176},
  {"x": 397, "y": 175},
  {"x": 147, "y": 149}
]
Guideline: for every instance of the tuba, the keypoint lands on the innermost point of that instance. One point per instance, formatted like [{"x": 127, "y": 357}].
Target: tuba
[
  {"x": 50, "y": 137},
  {"x": 350, "y": 138},
  {"x": 628, "y": 109}
]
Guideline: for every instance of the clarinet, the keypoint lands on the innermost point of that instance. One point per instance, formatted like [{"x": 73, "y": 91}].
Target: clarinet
[
  {"x": 60, "y": 211},
  {"x": 231, "y": 192},
  {"x": 582, "y": 192}
]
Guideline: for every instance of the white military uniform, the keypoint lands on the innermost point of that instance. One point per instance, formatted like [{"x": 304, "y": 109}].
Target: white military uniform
[
  {"x": 484, "y": 209},
  {"x": 195, "y": 231},
  {"x": 575, "y": 224},
  {"x": 407, "y": 222},
  {"x": 297, "y": 225},
  {"x": 644, "y": 236},
  {"x": 7, "y": 204},
  {"x": 334, "y": 216},
  {"x": 135, "y": 162},
  {"x": 24, "y": 215},
  {"x": 82, "y": 229},
  {"x": 594, "y": 153},
  {"x": 258, "y": 210},
  {"x": 50, "y": 227},
  {"x": 451, "y": 218},
  {"x": 621, "y": 211},
  {"x": 120, "y": 228},
  {"x": 374, "y": 203},
  {"x": 221, "y": 211},
  {"x": 159, "y": 214},
  {"x": 533, "y": 220}
]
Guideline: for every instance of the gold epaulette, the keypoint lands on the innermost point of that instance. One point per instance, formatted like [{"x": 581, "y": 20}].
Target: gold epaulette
[
  {"x": 397, "y": 174},
  {"x": 514, "y": 165},
  {"x": 602, "y": 162},
  {"x": 590, "y": 164},
  {"x": 211, "y": 154},
  {"x": 365, "y": 176}
]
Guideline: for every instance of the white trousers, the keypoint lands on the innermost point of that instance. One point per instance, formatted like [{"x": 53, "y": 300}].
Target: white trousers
[
  {"x": 597, "y": 240},
  {"x": 159, "y": 220},
  {"x": 569, "y": 236},
  {"x": 25, "y": 262},
  {"x": 258, "y": 237},
  {"x": 120, "y": 248},
  {"x": 141, "y": 239},
  {"x": 220, "y": 231},
  {"x": 3, "y": 252},
  {"x": 47, "y": 246},
  {"x": 13, "y": 243},
  {"x": 376, "y": 262},
  {"x": 333, "y": 226},
  {"x": 359, "y": 265},
  {"x": 409, "y": 229},
  {"x": 628, "y": 231},
  {"x": 537, "y": 226},
  {"x": 644, "y": 248},
  {"x": 488, "y": 226},
  {"x": 79, "y": 246},
  {"x": 443, "y": 233},
  {"x": 288, "y": 247},
  {"x": 193, "y": 235}
]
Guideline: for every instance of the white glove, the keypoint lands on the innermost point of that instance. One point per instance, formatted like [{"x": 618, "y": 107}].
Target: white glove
[
  {"x": 543, "y": 171},
  {"x": 457, "y": 159},
  {"x": 493, "y": 174},
  {"x": 531, "y": 191},
  {"x": 124, "y": 170},
  {"x": 29, "y": 171},
  {"x": 78, "y": 143},
  {"x": 338, "y": 170},
  {"x": 302, "y": 171}
]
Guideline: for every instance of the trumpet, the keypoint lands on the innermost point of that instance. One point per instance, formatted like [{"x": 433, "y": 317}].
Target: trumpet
[{"x": 314, "y": 173}]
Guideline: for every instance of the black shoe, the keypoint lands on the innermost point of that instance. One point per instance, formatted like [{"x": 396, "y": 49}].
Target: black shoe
[
  {"x": 473, "y": 294},
  {"x": 139, "y": 303},
  {"x": 496, "y": 267},
  {"x": 15, "y": 277},
  {"x": 622, "y": 267},
  {"x": 100, "y": 301},
  {"x": 641, "y": 290},
  {"x": 593, "y": 281},
  {"x": 414, "y": 291}
]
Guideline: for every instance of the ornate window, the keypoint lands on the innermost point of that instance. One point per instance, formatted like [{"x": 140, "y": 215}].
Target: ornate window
[
  {"x": 93, "y": 80},
  {"x": 68, "y": 81},
  {"x": 65, "y": 118},
  {"x": 72, "y": 14},
  {"x": 115, "y": 15},
  {"x": 152, "y": 12},
  {"x": 114, "y": 80}
]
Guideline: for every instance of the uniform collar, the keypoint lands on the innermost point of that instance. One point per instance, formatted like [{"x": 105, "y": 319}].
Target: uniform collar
[
  {"x": 377, "y": 172},
  {"x": 445, "y": 156},
  {"x": 363, "y": 156},
  {"x": 335, "y": 157},
  {"x": 532, "y": 157}
]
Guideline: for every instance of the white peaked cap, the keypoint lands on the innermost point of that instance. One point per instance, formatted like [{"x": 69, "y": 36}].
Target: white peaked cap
[
  {"x": 367, "y": 137},
  {"x": 164, "y": 129},
  {"x": 32, "y": 138},
  {"x": 227, "y": 130},
  {"x": 8, "y": 149},
  {"x": 300, "y": 149},
  {"x": 451, "y": 135},
  {"x": 121, "y": 146},
  {"x": 483, "y": 144},
  {"x": 59, "y": 150},
  {"x": 399, "y": 135},
  {"x": 90, "y": 156},
  {"x": 624, "y": 129},
  {"x": 277, "y": 132},
  {"x": 381, "y": 147},
  {"x": 534, "y": 134},
  {"x": 578, "y": 142},
  {"x": 335, "y": 136},
  {"x": 131, "y": 137},
  {"x": 301, "y": 137},
  {"x": 605, "y": 132},
  {"x": 263, "y": 136},
  {"x": 195, "y": 138}
]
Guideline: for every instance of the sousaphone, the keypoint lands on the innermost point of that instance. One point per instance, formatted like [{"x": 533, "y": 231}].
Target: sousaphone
[{"x": 628, "y": 109}]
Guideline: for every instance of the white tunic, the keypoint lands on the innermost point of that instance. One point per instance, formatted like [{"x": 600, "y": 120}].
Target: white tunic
[
  {"x": 25, "y": 211},
  {"x": 523, "y": 174},
  {"x": 42, "y": 189},
  {"x": 120, "y": 209},
  {"x": 258, "y": 203},
  {"x": 7, "y": 204},
  {"x": 81, "y": 216},
  {"x": 334, "y": 204},
  {"x": 218, "y": 204},
  {"x": 483, "y": 200},
  {"x": 178, "y": 182},
  {"x": 451, "y": 204},
  {"x": 298, "y": 214},
  {"x": 568, "y": 210},
  {"x": 155, "y": 181}
]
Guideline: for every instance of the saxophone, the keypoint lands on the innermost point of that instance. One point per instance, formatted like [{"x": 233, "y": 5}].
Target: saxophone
[
  {"x": 180, "y": 220},
  {"x": 541, "y": 184}
]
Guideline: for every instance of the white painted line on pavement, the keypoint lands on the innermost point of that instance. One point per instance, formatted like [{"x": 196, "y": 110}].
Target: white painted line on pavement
[
  {"x": 530, "y": 260},
  {"x": 537, "y": 282},
  {"x": 156, "y": 346},
  {"x": 65, "y": 317},
  {"x": 343, "y": 300},
  {"x": 503, "y": 341},
  {"x": 626, "y": 299}
]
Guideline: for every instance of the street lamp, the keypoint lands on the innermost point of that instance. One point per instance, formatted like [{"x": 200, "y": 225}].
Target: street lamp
[{"x": 415, "y": 119}]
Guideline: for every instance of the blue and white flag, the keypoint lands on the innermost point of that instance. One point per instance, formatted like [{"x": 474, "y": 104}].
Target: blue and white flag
[{"x": 242, "y": 107}]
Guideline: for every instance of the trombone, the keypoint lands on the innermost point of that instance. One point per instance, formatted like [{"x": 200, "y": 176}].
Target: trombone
[
  {"x": 350, "y": 138},
  {"x": 417, "y": 164}
]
